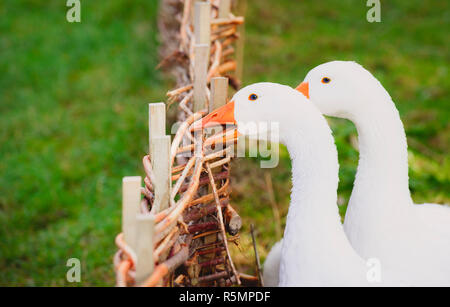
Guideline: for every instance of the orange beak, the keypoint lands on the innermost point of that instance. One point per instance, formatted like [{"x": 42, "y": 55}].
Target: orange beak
[
  {"x": 221, "y": 116},
  {"x": 304, "y": 89}
]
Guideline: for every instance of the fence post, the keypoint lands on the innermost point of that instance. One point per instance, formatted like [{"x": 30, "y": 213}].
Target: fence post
[
  {"x": 157, "y": 120},
  {"x": 192, "y": 9},
  {"x": 131, "y": 197},
  {"x": 160, "y": 154},
  {"x": 202, "y": 22},
  {"x": 224, "y": 8},
  {"x": 144, "y": 250},
  {"x": 201, "y": 59},
  {"x": 202, "y": 33},
  {"x": 219, "y": 92}
]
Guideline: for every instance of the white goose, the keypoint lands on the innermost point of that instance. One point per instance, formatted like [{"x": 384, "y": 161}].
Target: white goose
[
  {"x": 315, "y": 249},
  {"x": 381, "y": 219}
]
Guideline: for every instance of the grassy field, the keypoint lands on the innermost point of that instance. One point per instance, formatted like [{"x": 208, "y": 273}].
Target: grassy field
[{"x": 73, "y": 116}]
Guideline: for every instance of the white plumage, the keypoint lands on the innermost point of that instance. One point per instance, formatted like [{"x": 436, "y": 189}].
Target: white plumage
[
  {"x": 381, "y": 220},
  {"x": 272, "y": 266}
]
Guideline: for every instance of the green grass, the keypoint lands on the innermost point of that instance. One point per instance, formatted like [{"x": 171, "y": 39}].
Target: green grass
[
  {"x": 72, "y": 124},
  {"x": 73, "y": 115}
]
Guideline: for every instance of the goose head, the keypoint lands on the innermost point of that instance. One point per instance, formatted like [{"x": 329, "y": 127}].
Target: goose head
[
  {"x": 342, "y": 89},
  {"x": 258, "y": 108}
]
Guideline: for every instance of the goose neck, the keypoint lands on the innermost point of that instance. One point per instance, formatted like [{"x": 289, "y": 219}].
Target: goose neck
[
  {"x": 314, "y": 183},
  {"x": 383, "y": 154}
]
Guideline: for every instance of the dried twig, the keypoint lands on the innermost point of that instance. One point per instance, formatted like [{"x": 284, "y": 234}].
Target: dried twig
[
  {"x": 220, "y": 217},
  {"x": 258, "y": 263}
]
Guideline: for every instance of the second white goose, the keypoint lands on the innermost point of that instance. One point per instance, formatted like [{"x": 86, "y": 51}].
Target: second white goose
[{"x": 381, "y": 220}]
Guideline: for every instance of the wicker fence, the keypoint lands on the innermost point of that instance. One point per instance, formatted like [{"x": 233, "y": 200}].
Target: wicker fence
[{"x": 177, "y": 228}]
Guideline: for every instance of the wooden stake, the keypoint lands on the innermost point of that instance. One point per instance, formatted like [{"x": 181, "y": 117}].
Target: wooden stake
[
  {"x": 201, "y": 59},
  {"x": 145, "y": 262},
  {"x": 131, "y": 197},
  {"x": 192, "y": 3},
  {"x": 159, "y": 155},
  {"x": 219, "y": 90},
  {"x": 202, "y": 31},
  {"x": 160, "y": 158},
  {"x": 224, "y": 8},
  {"x": 202, "y": 23},
  {"x": 156, "y": 120}
]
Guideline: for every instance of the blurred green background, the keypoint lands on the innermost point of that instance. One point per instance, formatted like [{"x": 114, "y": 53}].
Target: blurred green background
[{"x": 73, "y": 116}]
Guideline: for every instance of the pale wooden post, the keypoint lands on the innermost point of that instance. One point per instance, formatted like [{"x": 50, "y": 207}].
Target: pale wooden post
[
  {"x": 144, "y": 250},
  {"x": 201, "y": 59},
  {"x": 219, "y": 90},
  {"x": 202, "y": 22},
  {"x": 193, "y": 2},
  {"x": 202, "y": 33},
  {"x": 131, "y": 198},
  {"x": 157, "y": 119},
  {"x": 224, "y": 8},
  {"x": 160, "y": 154}
]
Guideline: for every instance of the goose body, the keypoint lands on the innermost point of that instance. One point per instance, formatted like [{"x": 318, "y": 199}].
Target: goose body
[
  {"x": 271, "y": 271},
  {"x": 381, "y": 220},
  {"x": 315, "y": 250}
]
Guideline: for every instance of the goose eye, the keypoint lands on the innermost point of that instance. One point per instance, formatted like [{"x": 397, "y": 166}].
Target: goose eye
[
  {"x": 253, "y": 97},
  {"x": 326, "y": 80}
]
